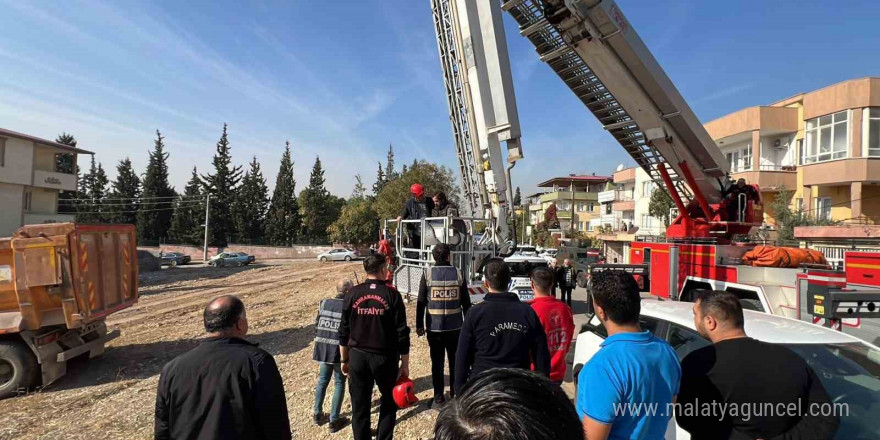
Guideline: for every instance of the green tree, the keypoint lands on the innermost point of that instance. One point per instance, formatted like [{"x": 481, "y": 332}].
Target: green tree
[
  {"x": 660, "y": 204},
  {"x": 283, "y": 224},
  {"x": 517, "y": 198},
  {"x": 390, "y": 173},
  {"x": 252, "y": 204},
  {"x": 221, "y": 185},
  {"x": 189, "y": 216},
  {"x": 317, "y": 205},
  {"x": 357, "y": 224},
  {"x": 389, "y": 203},
  {"x": 359, "y": 191},
  {"x": 67, "y": 199},
  {"x": 154, "y": 219},
  {"x": 786, "y": 219},
  {"x": 381, "y": 180},
  {"x": 94, "y": 189},
  {"x": 126, "y": 194}
]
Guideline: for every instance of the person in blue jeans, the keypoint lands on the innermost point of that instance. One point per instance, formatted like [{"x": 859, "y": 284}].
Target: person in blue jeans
[
  {"x": 327, "y": 354},
  {"x": 632, "y": 372}
]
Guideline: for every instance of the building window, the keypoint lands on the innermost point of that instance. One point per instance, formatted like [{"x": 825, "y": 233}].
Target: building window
[
  {"x": 826, "y": 138},
  {"x": 608, "y": 209},
  {"x": 591, "y": 207},
  {"x": 590, "y": 227},
  {"x": 2, "y": 152},
  {"x": 64, "y": 163},
  {"x": 799, "y": 204},
  {"x": 647, "y": 221},
  {"x": 26, "y": 201},
  {"x": 823, "y": 208},
  {"x": 647, "y": 189},
  {"x": 740, "y": 160},
  {"x": 873, "y": 132}
]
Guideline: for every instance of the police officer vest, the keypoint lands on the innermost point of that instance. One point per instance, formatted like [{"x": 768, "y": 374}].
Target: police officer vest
[
  {"x": 444, "y": 301},
  {"x": 327, "y": 334}
]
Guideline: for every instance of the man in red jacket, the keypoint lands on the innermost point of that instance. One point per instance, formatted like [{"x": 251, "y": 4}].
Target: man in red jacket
[{"x": 556, "y": 318}]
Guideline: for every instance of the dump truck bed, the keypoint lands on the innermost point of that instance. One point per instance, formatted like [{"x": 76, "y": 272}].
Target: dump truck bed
[{"x": 66, "y": 273}]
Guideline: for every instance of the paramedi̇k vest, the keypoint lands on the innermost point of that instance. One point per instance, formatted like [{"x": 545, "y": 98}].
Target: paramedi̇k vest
[{"x": 444, "y": 301}]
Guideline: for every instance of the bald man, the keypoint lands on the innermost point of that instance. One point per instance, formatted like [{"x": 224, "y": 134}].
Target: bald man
[
  {"x": 326, "y": 354},
  {"x": 226, "y": 388}
]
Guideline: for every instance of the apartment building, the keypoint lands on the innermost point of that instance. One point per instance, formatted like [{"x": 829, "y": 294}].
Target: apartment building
[
  {"x": 576, "y": 198},
  {"x": 624, "y": 212},
  {"x": 33, "y": 172},
  {"x": 823, "y": 145}
]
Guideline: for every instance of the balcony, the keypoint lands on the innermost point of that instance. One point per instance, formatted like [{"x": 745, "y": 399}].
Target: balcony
[
  {"x": 567, "y": 196},
  {"x": 624, "y": 176},
  {"x": 35, "y": 218},
  {"x": 768, "y": 120},
  {"x": 53, "y": 180},
  {"x": 770, "y": 178},
  {"x": 858, "y": 169}
]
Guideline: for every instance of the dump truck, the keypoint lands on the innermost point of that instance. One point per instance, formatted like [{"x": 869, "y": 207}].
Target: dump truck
[{"x": 58, "y": 284}]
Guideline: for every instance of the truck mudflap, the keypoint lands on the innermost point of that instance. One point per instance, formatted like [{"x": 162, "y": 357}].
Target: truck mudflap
[{"x": 53, "y": 347}]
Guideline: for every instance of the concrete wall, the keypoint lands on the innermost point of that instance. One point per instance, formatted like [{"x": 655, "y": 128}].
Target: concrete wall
[
  {"x": 43, "y": 200},
  {"x": 10, "y": 215},
  {"x": 19, "y": 162},
  {"x": 260, "y": 252}
]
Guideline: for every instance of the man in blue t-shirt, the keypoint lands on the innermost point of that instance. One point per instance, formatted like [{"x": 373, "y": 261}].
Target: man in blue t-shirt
[{"x": 626, "y": 388}]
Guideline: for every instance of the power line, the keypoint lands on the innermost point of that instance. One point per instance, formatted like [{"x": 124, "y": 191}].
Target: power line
[
  {"x": 136, "y": 211},
  {"x": 839, "y": 203},
  {"x": 94, "y": 204},
  {"x": 136, "y": 199},
  {"x": 156, "y": 197}
]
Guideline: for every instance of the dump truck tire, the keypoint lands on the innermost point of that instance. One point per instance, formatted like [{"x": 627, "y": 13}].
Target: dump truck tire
[{"x": 18, "y": 368}]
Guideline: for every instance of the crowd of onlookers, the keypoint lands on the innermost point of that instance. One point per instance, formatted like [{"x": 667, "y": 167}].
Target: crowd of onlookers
[{"x": 506, "y": 360}]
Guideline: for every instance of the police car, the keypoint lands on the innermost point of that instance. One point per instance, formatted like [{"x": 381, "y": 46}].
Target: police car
[{"x": 521, "y": 266}]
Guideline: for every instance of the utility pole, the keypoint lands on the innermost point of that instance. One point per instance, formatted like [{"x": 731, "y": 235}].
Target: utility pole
[{"x": 207, "y": 214}]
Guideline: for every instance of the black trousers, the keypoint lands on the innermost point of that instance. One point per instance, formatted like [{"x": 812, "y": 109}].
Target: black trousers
[
  {"x": 553, "y": 290},
  {"x": 365, "y": 370},
  {"x": 565, "y": 296},
  {"x": 443, "y": 344}
]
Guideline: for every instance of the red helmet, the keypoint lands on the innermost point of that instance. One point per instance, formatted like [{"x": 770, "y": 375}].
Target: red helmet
[
  {"x": 417, "y": 189},
  {"x": 405, "y": 393}
]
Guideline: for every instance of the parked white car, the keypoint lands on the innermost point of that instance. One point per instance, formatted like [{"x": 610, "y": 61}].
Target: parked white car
[
  {"x": 848, "y": 367},
  {"x": 236, "y": 259},
  {"x": 338, "y": 255}
]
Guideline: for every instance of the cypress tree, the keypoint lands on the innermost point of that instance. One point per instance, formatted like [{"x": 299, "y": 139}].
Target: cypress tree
[
  {"x": 125, "y": 197},
  {"x": 154, "y": 218},
  {"x": 390, "y": 174},
  {"x": 67, "y": 200},
  {"x": 186, "y": 225},
  {"x": 94, "y": 187},
  {"x": 252, "y": 205},
  {"x": 283, "y": 222},
  {"x": 380, "y": 181},
  {"x": 222, "y": 186},
  {"x": 316, "y": 205}
]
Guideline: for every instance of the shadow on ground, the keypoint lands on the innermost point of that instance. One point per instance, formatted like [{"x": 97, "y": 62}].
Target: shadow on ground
[{"x": 141, "y": 361}]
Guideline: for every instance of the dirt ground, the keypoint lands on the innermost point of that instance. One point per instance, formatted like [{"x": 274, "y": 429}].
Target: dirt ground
[{"x": 112, "y": 397}]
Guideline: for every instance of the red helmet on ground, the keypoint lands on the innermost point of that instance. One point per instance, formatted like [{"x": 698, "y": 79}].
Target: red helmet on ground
[
  {"x": 417, "y": 189},
  {"x": 405, "y": 393}
]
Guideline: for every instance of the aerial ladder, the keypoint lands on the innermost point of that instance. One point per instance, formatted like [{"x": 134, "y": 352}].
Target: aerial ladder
[
  {"x": 485, "y": 127},
  {"x": 593, "y": 48}
]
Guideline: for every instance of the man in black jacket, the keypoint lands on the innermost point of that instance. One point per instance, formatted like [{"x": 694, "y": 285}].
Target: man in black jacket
[
  {"x": 226, "y": 388},
  {"x": 443, "y": 294},
  {"x": 566, "y": 278},
  {"x": 416, "y": 208},
  {"x": 746, "y": 376},
  {"x": 500, "y": 332},
  {"x": 373, "y": 338}
]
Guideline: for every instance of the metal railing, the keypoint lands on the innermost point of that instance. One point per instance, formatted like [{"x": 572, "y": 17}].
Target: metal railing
[{"x": 468, "y": 247}]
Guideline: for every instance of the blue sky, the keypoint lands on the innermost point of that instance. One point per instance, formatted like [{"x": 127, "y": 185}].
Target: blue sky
[{"x": 342, "y": 79}]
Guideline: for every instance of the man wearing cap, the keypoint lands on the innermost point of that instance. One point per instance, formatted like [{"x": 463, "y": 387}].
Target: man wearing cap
[{"x": 416, "y": 208}]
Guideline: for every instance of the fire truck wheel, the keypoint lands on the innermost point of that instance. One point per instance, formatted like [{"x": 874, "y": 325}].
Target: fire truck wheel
[
  {"x": 18, "y": 368},
  {"x": 751, "y": 304}
]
